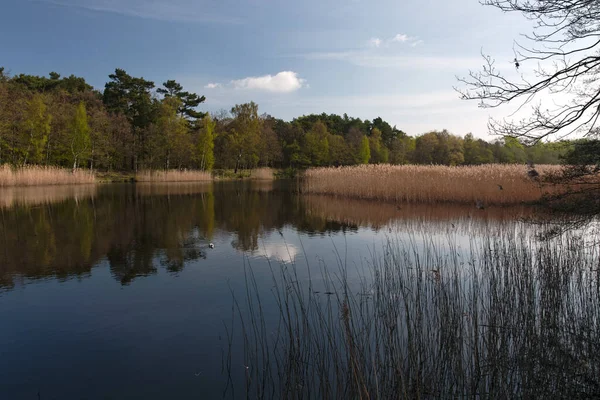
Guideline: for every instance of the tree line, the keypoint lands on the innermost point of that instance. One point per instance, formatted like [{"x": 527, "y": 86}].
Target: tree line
[{"x": 133, "y": 125}]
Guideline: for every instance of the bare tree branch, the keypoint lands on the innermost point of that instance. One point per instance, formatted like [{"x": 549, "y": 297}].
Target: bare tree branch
[{"x": 563, "y": 56}]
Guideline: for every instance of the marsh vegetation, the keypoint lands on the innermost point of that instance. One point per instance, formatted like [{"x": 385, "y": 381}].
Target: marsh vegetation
[
  {"x": 499, "y": 184},
  {"x": 506, "y": 317}
]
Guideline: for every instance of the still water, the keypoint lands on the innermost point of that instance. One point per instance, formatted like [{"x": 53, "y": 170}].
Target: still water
[{"x": 113, "y": 291}]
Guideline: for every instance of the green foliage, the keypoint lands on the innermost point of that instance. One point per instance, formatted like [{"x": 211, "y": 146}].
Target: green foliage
[
  {"x": 41, "y": 84},
  {"x": 206, "y": 144},
  {"x": 80, "y": 134},
  {"x": 514, "y": 150},
  {"x": 37, "y": 124},
  {"x": 339, "y": 151},
  {"x": 316, "y": 145},
  {"x": 425, "y": 148},
  {"x": 364, "y": 151},
  {"x": 584, "y": 152},
  {"x": 172, "y": 141},
  {"x": 379, "y": 152},
  {"x": 246, "y": 127},
  {"x": 189, "y": 101},
  {"x": 63, "y": 121}
]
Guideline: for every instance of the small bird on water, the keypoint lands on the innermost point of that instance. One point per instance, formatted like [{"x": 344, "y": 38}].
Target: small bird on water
[{"x": 211, "y": 245}]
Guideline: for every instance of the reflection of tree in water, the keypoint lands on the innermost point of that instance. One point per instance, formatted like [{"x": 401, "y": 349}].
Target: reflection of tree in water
[
  {"x": 139, "y": 229},
  {"x": 46, "y": 241},
  {"x": 174, "y": 259},
  {"x": 250, "y": 211},
  {"x": 134, "y": 232},
  {"x": 161, "y": 230}
]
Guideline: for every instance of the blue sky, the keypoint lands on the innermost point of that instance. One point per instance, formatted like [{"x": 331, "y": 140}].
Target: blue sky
[{"x": 394, "y": 59}]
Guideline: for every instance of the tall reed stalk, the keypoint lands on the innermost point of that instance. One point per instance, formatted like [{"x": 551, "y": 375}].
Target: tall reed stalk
[{"x": 513, "y": 319}]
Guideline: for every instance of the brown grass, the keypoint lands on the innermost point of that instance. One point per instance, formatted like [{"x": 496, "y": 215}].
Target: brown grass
[
  {"x": 38, "y": 175},
  {"x": 173, "y": 176},
  {"x": 425, "y": 183},
  {"x": 262, "y": 174}
]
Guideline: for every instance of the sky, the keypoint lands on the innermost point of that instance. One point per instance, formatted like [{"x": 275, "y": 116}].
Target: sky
[{"x": 393, "y": 59}]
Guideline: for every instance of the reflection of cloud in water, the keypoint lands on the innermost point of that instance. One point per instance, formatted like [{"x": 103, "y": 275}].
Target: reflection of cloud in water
[{"x": 278, "y": 251}]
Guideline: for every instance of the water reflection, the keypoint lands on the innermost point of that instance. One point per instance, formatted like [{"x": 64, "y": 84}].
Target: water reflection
[
  {"x": 138, "y": 229},
  {"x": 32, "y": 196},
  {"x": 411, "y": 216}
]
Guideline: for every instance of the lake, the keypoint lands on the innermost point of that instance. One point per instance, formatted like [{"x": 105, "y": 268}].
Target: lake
[{"x": 113, "y": 291}]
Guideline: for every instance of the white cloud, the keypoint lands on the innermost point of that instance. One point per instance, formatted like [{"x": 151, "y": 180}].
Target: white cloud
[
  {"x": 401, "y": 37},
  {"x": 279, "y": 252},
  {"x": 283, "y": 82},
  {"x": 376, "y": 42},
  {"x": 213, "y": 86}
]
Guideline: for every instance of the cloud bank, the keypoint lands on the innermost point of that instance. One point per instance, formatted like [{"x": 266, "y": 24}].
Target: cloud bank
[{"x": 283, "y": 82}]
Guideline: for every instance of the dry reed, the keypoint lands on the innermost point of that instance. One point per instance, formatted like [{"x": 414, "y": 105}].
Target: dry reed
[
  {"x": 39, "y": 175},
  {"x": 490, "y": 184},
  {"x": 173, "y": 176},
  {"x": 262, "y": 174}
]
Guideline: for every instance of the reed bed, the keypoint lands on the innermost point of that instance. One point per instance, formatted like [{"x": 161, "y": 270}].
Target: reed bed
[
  {"x": 514, "y": 319},
  {"x": 262, "y": 174},
  {"x": 173, "y": 176},
  {"x": 427, "y": 183},
  {"x": 39, "y": 175}
]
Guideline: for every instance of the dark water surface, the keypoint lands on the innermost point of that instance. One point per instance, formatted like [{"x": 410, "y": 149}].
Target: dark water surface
[{"x": 113, "y": 292}]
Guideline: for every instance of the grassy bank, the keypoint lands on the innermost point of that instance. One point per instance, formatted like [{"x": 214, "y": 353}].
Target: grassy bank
[
  {"x": 489, "y": 184},
  {"x": 37, "y": 175},
  {"x": 515, "y": 319}
]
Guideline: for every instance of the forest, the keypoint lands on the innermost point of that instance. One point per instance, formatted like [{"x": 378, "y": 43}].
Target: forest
[{"x": 133, "y": 124}]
